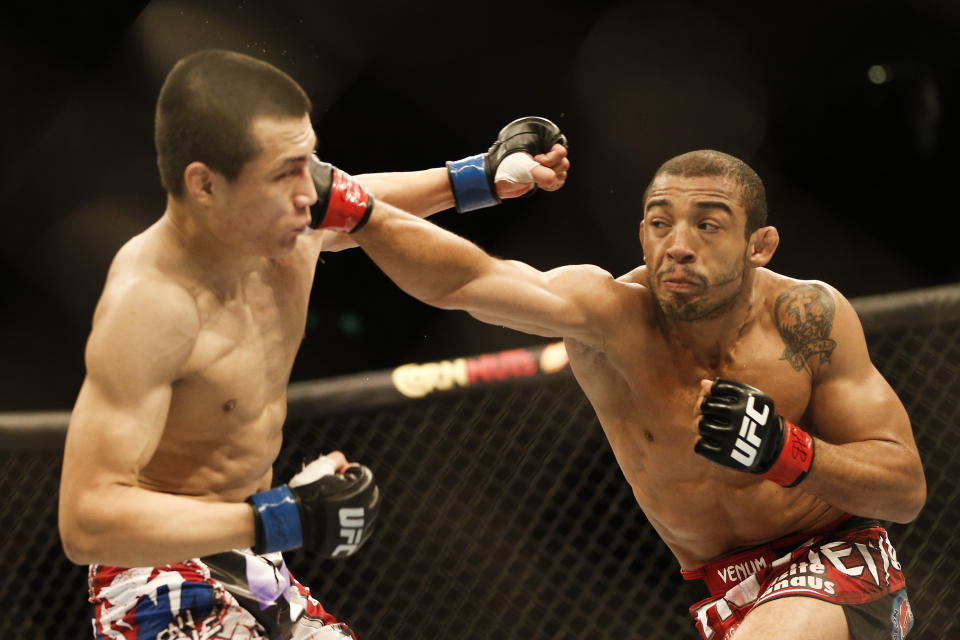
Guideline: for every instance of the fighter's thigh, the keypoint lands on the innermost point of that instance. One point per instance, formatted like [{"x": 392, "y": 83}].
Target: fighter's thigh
[{"x": 794, "y": 618}]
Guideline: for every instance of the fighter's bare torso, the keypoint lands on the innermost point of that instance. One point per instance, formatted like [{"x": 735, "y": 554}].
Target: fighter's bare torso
[
  {"x": 228, "y": 403},
  {"x": 644, "y": 387}
]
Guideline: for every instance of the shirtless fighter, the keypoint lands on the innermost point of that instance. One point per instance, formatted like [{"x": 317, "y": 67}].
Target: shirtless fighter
[
  {"x": 741, "y": 405},
  {"x": 167, "y": 488}
]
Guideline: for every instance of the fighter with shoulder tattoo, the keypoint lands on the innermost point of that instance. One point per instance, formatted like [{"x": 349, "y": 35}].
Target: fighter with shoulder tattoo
[{"x": 741, "y": 404}]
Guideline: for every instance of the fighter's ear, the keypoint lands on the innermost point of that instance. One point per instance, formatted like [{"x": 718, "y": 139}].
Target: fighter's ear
[
  {"x": 761, "y": 246},
  {"x": 198, "y": 181}
]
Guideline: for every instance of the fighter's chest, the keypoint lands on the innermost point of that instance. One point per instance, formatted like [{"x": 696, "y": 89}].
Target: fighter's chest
[
  {"x": 660, "y": 384},
  {"x": 668, "y": 383},
  {"x": 247, "y": 343}
]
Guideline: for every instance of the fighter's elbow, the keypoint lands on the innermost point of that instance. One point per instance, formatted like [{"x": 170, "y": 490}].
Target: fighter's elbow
[
  {"x": 455, "y": 297},
  {"x": 912, "y": 498},
  {"x": 916, "y": 498},
  {"x": 439, "y": 300},
  {"x": 80, "y": 535},
  {"x": 76, "y": 554},
  {"x": 79, "y": 547}
]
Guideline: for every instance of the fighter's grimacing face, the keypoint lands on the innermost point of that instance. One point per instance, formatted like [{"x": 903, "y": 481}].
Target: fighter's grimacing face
[
  {"x": 268, "y": 206},
  {"x": 694, "y": 245}
]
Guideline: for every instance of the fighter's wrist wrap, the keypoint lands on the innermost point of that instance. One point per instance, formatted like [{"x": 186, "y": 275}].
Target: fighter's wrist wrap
[
  {"x": 794, "y": 458},
  {"x": 276, "y": 519},
  {"x": 343, "y": 204},
  {"x": 473, "y": 179},
  {"x": 471, "y": 187},
  {"x": 740, "y": 429}
]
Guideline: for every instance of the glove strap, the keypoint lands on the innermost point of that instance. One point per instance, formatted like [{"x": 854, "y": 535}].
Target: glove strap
[
  {"x": 794, "y": 459},
  {"x": 348, "y": 206},
  {"x": 277, "y": 519},
  {"x": 470, "y": 183}
]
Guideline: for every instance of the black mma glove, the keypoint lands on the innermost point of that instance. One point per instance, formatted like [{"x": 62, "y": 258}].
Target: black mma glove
[
  {"x": 473, "y": 178},
  {"x": 740, "y": 429},
  {"x": 331, "y": 514},
  {"x": 343, "y": 204}
]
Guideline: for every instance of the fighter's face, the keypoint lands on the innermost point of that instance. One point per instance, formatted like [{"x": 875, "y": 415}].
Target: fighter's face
[
  {"x": 694, "y": 245},
  {"x": 268, "y": 206}
]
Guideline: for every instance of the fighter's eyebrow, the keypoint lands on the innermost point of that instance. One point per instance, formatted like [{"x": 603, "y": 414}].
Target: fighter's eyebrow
[
  {"x": 297, "y": 159},
  {"x": 714, "y": 204},
  {"x": 656, "y": 202},
  {"x": 292, "y": 160},
  {"x": 702, "y": 204}
]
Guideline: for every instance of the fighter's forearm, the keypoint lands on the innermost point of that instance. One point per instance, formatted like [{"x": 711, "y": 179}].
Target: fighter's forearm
[
  {"x": 426, "y": 261},
  {"x": 876, "y": 479},
  {"x": 133, "y": 527},
  {"x": 421, "y": 193}
]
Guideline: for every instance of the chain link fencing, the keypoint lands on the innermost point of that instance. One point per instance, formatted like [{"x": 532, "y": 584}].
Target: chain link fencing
[{"x": 505, "y": 514}]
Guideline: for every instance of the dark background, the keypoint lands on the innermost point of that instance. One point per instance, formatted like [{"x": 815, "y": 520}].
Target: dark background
[{"x": 849, "y": 113}]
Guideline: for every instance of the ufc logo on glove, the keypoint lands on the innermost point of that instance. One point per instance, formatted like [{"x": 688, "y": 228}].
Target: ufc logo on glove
[
  {"x": 351, "y": 530},
  {"x": 766, "y": 443},
  {"x": 748, "y": 443}
]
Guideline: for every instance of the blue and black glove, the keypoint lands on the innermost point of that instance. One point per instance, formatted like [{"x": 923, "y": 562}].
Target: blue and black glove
[
  {"x": 331, "y": 514},
  {"x": 473, "y": 178}
]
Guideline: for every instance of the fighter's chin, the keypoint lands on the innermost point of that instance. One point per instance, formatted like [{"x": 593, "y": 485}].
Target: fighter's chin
[
  {"x": 684, "y": 312},
  {"x": 284, "y": 248},
  {"x": 686, "y": 308}
]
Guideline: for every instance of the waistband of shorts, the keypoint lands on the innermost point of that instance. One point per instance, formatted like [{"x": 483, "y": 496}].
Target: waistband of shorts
[
  {"x": 770, "y": 550},
  {"x": 104, "y": 577}
]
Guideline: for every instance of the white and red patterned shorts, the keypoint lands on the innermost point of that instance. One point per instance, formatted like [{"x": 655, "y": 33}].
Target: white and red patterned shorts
[
  {"x": 229, "y": 596},
  {"x": 851, "y": 563}
]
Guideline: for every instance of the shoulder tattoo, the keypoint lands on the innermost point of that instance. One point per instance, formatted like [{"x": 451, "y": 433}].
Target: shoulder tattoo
[{"x": 804, "y": 315}]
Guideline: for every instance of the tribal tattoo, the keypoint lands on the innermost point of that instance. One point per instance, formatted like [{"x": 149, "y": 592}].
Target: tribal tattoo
[{"x": 805, "y": 317}]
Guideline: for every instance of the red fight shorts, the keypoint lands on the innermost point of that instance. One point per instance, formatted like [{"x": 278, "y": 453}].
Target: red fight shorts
[
  {"x": 230, "y": 596},
  {"x": 850, "y": 563}
]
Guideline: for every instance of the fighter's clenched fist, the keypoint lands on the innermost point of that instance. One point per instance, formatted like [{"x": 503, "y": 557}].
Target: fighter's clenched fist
[{"x": 740, "y": 429}]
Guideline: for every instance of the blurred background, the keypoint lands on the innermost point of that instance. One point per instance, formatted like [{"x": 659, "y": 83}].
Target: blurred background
[{"x": 849, "y": 113}]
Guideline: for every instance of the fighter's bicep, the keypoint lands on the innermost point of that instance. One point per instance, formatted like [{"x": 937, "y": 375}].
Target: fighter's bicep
[
  {"x": 137, "y": 349},
  {"x": 851, "y": 401},
  {"x": 565, "y": 302},
  {"x": 111, "y": 441},
  {"x": 107, "y": 445},
  {"x": 856, "y": 408}
]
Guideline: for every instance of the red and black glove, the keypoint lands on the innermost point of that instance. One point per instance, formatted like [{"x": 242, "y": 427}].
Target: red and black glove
[
  {"x": 740, "y": 429},
  {"x": 343, "y": 204}
]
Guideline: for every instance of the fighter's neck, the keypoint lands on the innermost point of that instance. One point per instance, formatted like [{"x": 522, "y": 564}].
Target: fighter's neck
[
  {"x": 220, "y": 267},
  {"x": 712, "y": 341}
]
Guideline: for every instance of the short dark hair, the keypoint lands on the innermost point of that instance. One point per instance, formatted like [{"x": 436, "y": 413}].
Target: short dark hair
[
  {"x": 206, "y": 107},
  {"x": 707, "y": 162}
]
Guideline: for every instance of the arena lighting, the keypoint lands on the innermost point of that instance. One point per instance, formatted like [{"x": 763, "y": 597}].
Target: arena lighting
[{"x": 879, "y": 74}]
